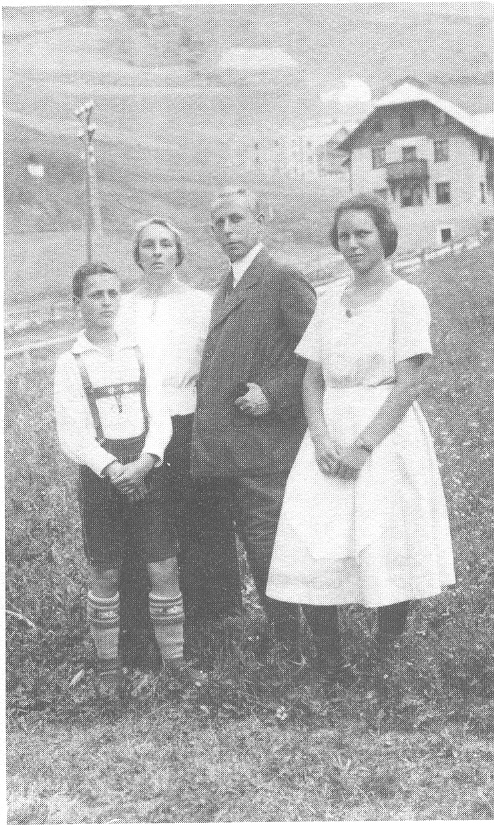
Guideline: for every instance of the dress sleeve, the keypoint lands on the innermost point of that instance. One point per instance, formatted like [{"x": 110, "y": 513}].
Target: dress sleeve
[
  {"x": 412, "y": 321},
  {"x": 310, "y": 345}
]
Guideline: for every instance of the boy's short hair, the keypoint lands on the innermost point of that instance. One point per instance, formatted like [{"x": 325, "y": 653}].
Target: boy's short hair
[
  {"x": 379, "y": 211},
  {"x": 84, "y": 272}
]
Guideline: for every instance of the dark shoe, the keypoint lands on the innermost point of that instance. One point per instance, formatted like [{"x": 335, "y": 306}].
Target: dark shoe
[
  {"x": 186, "y": 673},
  {"x": 386, "y": 646},
  {"x": 333, "y": 670}
]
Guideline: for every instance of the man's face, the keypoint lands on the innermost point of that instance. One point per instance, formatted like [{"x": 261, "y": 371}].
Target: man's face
[{"x": 235, "y": 227}]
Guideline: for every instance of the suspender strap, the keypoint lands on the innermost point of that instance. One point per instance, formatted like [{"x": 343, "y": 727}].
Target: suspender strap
[
  {"x": 142, "y": 387},
  {"x": 92, "y": 393},
  {"x": 91, "y": 400}
]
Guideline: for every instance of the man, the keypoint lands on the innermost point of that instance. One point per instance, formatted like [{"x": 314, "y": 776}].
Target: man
[{"x": 249, "y": 421}]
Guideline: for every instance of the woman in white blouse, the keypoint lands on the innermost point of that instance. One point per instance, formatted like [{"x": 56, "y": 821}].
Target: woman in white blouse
[
  {"x": 364, "y": 518},
  {"x": 170, "y": 320}
]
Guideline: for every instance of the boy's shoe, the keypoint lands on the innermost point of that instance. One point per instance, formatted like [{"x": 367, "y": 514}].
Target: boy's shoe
[
  {"x": 109, "y": 680},
  {"x": 186, "y": 673}
]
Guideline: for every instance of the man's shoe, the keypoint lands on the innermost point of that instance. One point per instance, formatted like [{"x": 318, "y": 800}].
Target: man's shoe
[{"x": 186, "y": 673}]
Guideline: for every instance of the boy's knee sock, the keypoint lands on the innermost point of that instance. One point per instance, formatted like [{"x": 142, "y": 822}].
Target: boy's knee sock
[
  {"x": 104, "y": 624},
  {"x": 167, "y": 616}
]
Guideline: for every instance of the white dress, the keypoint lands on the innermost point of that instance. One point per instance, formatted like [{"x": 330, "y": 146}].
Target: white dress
[
  {"x": 171, "y": 331},
  {"x": 384, "y": 537}
]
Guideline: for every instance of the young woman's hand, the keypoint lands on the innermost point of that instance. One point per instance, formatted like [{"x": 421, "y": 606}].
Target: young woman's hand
[
  {"x": 351, "y": 462},
  {"x": 326, "y": 454}
]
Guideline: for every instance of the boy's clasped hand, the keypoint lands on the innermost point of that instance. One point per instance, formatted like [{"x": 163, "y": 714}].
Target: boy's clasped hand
[{"x": 129, "y": 478}]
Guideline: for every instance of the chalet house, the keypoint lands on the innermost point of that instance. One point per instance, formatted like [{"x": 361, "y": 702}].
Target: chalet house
[{"x": 431, "y": 161}]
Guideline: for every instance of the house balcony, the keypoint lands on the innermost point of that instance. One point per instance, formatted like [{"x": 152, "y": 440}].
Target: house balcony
[
  {"x": 407, "y": 171},
  {"x": 403, "y": 170}
]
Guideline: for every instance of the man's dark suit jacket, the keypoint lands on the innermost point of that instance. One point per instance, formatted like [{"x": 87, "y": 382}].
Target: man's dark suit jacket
[{"x": 252, "y": 337}]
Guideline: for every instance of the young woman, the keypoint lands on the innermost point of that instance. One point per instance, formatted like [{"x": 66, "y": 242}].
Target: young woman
[
  {"x": 364, "y": 518},
  {"x": 170, "y": 320}
]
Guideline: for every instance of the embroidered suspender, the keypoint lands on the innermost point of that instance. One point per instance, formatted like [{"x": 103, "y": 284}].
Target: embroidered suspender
[{"x": 114, "y": 390}]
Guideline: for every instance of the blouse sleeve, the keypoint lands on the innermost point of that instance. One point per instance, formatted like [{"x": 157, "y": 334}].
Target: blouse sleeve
[
  {"x": 412, "y": 321},
  {"x": 310, "y": 345}
]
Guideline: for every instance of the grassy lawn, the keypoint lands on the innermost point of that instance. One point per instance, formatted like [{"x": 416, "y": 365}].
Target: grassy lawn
[{"x": 263, "y": 743}]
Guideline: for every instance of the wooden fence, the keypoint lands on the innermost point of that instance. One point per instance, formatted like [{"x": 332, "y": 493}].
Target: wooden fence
[{"x": 320, "y": 277}]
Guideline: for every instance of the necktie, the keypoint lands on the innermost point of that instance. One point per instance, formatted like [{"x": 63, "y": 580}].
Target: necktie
[{"x": 228, "y": 284}]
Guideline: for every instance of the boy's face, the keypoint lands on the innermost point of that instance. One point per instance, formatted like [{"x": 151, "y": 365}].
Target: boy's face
[{"x": 100, "y": 301}]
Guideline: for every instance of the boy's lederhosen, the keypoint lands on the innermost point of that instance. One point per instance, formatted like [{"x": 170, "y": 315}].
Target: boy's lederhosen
[{"x": 113, "y": 524}]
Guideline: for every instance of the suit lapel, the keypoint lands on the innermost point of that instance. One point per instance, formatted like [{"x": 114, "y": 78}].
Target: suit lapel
[{"x": 221, "y": 309}]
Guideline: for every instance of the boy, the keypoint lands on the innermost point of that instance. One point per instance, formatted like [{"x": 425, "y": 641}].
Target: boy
[{"x": 111, "y": 421}]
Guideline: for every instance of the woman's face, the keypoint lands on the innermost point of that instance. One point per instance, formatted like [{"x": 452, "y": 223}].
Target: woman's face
[
  {"x": 157, "y": 253},
  {"x": 359, "y": 241}
]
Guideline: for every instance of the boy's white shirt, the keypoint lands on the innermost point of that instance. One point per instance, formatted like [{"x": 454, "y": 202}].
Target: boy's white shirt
[{"x": 75, "y": 425}]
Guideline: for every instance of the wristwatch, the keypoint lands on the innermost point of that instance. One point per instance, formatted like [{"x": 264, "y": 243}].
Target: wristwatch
[{"x": 364, "y": 445}]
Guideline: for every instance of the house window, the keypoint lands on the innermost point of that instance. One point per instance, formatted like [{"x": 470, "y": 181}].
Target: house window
[
  {"x": 378, "y": 124},
  {"x": 379, "y": 157},
  {"x": 443, "y": 192},
  {"x": 482, "y": 192},
  {"x": 309, "y": 144},
  {"x": 446, "y": 234},
  {"x": 407, "y": 118},
  {"x": 256, "y": 146},
  {"x": 382, "y": 193},
  {"x": 310, "y": 159},
  {"x": 411, "y": 195},
  {"x": 441, "y": 150},
  {"x": 276, "y": 143},
  {"x": 409, "y": 152},
  {"x": 439, "y": 117}
]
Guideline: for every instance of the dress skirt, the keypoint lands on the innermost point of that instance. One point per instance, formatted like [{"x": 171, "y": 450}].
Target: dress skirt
[{"x": 380, "y": 539}]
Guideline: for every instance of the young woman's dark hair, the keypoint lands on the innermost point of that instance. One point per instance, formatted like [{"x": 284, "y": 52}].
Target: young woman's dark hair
[
  {"x": 84, "y": 272},
  {"x": 380, "y": 214}
]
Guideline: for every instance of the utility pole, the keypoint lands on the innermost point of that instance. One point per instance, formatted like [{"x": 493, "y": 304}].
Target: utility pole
[{"x": 93, "y": 213}]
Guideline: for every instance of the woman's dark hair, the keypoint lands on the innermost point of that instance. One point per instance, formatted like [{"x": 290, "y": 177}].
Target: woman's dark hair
[
  {"x": 84, "y": 272},
  {"x": 380, "y": 214},
  {"x": 177, "y": 238}
]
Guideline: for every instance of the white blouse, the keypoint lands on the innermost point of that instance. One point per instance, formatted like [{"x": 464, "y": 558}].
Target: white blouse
[
  {"x": 171, "y": 331},
  {"x": 363, "y": 350}
]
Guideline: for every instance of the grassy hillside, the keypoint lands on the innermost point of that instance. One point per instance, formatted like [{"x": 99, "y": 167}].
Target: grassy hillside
[{"x": 262, "y": 743}]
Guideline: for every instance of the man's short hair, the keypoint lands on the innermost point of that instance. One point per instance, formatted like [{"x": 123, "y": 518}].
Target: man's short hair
[
  {"x": 380, "y": 214},
  {"x": 84, "y": 272},
  {"x": 177, "y": 238},
  {"x": 252, "y": 200}
]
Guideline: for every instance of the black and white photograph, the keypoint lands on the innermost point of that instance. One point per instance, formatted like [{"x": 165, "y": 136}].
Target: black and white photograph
[{"x": 249, "y": 417}]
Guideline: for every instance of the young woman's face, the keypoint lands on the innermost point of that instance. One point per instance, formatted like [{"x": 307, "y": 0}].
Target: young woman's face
[
  {"x": 359, "y": 241},
  {"x": 157, "y": 253}
]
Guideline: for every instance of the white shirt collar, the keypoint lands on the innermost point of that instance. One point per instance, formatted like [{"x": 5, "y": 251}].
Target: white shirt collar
[
  {"x": 241, "y": 266},
  {"x": 83, "y": 345}
]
